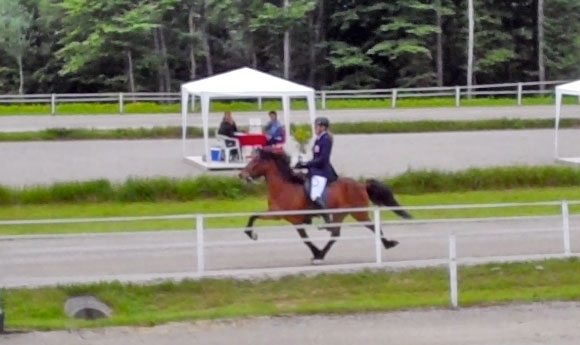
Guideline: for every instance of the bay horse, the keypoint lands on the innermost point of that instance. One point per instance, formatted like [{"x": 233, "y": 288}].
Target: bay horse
[{"x": 286, "y": 191}]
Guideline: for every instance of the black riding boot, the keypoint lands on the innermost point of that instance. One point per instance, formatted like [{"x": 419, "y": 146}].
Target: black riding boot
[{"x": 319, "y": 205}]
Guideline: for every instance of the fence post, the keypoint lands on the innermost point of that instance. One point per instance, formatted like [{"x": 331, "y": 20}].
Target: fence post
[
  {"x": 520, "y": 86},
  {"x": 394, "y": 99},
  {"x": 457, "y": 95},
  {"x": 199, "y": 244},
  {"x": 323, "y": 100},
  {"x": 121, "y": 103},
  {"x": 378, "y": 244},
  {"x": 53, "y": 104},
  {"x": 453, "y": 284},
  {"x": 566, "y": 228}
]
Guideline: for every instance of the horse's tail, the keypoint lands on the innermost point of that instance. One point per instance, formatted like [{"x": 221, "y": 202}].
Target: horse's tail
[{"x": 381, "y": 195}]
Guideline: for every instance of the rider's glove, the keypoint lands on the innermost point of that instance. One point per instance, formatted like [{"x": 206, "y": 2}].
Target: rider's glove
[{"x": 300, "y": 165}]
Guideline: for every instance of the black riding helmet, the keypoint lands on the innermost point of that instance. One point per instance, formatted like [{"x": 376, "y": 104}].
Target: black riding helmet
[{"x": 322, "y": 121}]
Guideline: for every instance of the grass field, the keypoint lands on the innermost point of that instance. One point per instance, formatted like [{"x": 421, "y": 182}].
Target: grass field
[
  {"x": 326, "y": 293},
  {"x": 252, "y": 105},
  {"x": 79, "y": 210}
]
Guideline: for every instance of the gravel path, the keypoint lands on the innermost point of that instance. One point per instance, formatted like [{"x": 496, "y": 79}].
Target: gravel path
[{"x": 548, "y": 324}]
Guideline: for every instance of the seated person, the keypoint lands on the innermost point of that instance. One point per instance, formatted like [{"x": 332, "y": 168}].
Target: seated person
[
  {"x": 274, "y": 130},
  {"x": 228, "y": 128}
]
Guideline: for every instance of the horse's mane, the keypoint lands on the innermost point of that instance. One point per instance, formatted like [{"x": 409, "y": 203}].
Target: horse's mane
[{"x": 282, "y": 162}]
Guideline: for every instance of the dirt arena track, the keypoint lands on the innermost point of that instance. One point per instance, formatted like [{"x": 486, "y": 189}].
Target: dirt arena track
[
  {"x": 146, "y": 256},
  {"x": 38, "y": 122},
  {"x": 353, "y": 155}
]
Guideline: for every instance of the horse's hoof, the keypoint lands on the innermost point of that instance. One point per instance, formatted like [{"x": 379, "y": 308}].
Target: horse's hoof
[
  {"x": 251, "y": 234},
  {"x": 316, "y": 261}
]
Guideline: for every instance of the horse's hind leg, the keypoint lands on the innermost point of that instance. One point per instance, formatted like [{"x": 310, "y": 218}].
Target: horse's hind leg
[
  {"x": 364, "y": 217},
  {"x": 316, "y": 253}
]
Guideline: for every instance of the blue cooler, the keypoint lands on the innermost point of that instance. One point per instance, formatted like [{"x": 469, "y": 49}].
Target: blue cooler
[{"x": 216, "y": 154}]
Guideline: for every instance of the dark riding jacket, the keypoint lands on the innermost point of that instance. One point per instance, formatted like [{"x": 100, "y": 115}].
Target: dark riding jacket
[{"x": 320, "y": 164}]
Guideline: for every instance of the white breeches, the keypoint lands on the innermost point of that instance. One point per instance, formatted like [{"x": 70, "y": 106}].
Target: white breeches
[{"x": 317, "y": 184}]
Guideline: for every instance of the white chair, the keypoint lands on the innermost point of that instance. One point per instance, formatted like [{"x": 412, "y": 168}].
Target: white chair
[
  {"x": 255, "y": 126},
  {"x": 228, "y": 150}
]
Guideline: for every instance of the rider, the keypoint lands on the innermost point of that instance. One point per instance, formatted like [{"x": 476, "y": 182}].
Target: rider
[{"x": 320, "y": 170}]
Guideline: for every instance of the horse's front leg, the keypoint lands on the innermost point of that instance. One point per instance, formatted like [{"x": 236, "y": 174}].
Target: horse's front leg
[{"x": 249, "y": 231}]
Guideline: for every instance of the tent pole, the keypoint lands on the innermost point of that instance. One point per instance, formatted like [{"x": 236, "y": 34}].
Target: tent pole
[
  {"x": 205, "y": 123},
  {"x": 184, "y": 103},
  {"x": 557, "y": 121},
  {"x": 311, "y": 111},
  {"x": 286, "y": 111}
]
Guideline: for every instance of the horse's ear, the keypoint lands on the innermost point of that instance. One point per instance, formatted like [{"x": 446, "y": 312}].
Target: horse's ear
[{"x": 258, "y": 152}]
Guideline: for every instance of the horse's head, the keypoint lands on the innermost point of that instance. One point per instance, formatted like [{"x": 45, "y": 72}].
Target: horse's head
[
  {"x": 266, "y": 162},
  {"x": 259, "y": 166}
]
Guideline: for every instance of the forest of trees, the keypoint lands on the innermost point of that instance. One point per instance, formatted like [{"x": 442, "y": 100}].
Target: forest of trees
[{"x": 67, "y": 46}]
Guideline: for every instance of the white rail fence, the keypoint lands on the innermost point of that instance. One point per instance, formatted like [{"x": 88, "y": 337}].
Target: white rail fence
[
  {"x": 516, "y": 90},
  {"x": 452, "y": 261}
]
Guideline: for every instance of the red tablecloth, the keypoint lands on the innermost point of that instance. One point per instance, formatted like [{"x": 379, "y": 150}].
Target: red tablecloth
[{"x": 247, "y": 139}]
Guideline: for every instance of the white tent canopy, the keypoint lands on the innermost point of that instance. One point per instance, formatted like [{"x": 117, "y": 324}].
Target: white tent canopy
[
  {"x": 241, "y": 83},
  {"x": 572, "y": 88}
]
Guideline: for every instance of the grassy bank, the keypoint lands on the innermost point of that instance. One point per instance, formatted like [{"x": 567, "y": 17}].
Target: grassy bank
[
  {"x": 326, "y": 293},
  {"x": 253, "y": 204},
  {"x": 252, "y": 105},
  {"x": 368, "y": 127},
  {"x": 163, "y": 189}
]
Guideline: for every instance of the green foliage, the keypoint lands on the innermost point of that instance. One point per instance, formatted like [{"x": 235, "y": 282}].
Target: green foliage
[
  {"x": 71, "y": 46},
  {"x": 562, "y": 28},
  {"x": 494, "y": 178},
  {"x": 174, "y": 189}
]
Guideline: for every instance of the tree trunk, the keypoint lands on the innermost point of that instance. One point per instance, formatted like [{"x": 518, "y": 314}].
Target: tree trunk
[
  {"x": 253, "y": 54},
  {"x": 286, "y": 48},
  {"x": 130, "y": 70},
  {"x": 321, "y": 37},
  {"x": 205, "y": 40},
  {"x": 157, "y": 48},
  {"x": 313, "y": 35},
  {"x": 439, "y": 46},
  {"x": 21, "y": 75},
  {"x": 192, "y": 61},
  {"x": 470, "y": 16},
  {"x": 166, "y": 72},
  {"x": 541, "y": 60}
]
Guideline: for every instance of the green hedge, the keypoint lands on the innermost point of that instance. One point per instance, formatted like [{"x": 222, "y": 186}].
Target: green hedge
[
  {"x": 337, "y": 128},
  {"x": 164, "y": 189}
]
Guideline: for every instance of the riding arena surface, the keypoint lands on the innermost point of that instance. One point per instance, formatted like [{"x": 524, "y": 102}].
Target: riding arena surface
[{"x": 33, "y": 260}]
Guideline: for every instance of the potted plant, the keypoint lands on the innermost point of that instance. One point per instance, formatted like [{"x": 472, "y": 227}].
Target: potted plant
[{"x": 302, "y": 135}]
